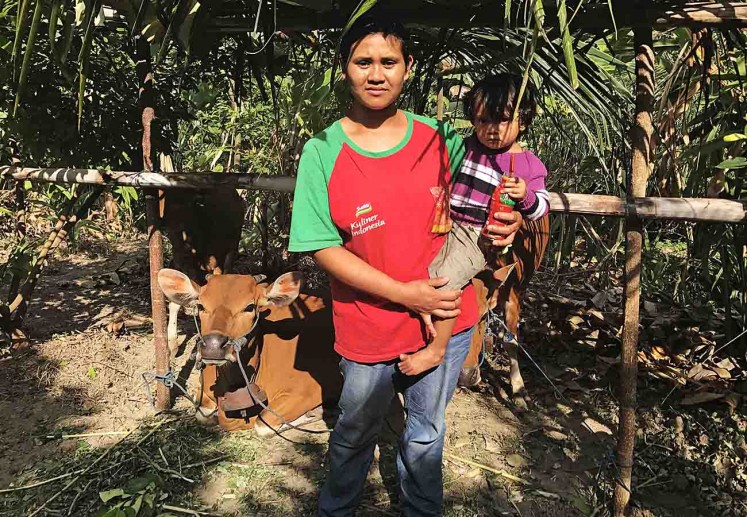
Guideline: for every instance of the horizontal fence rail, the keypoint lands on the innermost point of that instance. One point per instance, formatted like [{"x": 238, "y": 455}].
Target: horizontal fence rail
[
  {"x": 685, "y": 209},
  {"x": 190, "y": 180}
]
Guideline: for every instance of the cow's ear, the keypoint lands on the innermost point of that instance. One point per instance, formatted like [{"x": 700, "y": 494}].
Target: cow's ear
[
  {"x": 283, "y": 291},
  {"x": 177, "y": 287},
  {"x": 502, "y": 273}
]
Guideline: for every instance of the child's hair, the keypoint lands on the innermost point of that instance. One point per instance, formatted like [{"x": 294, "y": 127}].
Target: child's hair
[
  {"x": 496, "y": 96},
  {"x": 373, "y": 22}
]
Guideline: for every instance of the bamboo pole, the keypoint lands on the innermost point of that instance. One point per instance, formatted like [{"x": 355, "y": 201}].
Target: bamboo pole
[
  {"x": 685, "y": 209},
  {"x": 147, "y": 104},
  {"x": 145, "y": 179},
  {"x": 730, "y": 14},
  {"x": 642, "y": 144}
]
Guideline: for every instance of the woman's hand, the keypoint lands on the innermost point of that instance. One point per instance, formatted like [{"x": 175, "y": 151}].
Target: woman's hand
[
  {"x": 422, "y": 297},
  {"x": 504, "y": 235}
]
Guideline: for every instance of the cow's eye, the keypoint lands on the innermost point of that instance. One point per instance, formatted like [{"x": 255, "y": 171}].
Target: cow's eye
[{"x": 251, "y": 307}]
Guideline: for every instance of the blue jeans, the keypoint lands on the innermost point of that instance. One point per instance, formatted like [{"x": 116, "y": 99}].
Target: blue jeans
[{"x": 367, "y": 392}]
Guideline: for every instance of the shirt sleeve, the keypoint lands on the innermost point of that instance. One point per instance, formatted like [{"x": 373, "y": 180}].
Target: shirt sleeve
[
  {"x": 312, "y": 227},
  {"x": 536, "y": 203},
  {"x": 454, "y": 147}
]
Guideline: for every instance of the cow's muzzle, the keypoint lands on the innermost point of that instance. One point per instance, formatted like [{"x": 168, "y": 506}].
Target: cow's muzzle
[{"x": 215, "y": 349}]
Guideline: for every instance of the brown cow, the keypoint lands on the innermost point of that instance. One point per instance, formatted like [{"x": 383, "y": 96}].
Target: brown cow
[
  {"x": 204, "y": 228},
  {"x": 291, "y": 352},
  {"x": 511, "y": 280}
]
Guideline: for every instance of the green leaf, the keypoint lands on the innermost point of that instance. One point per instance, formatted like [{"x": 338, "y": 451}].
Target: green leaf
[
  {"x": 68, "y": 24},
  {"x": 734, "y": 163},
  {"x": 23, "y": 9},
  {"x": 84, "y": 56},
  {"x": 185, "y": 27},
  {"x": 538, "y": 9},
  {"x": 92, "y": 375},
  {"x": 137, "y": 484},
  {"x": 735, "y": 137},
  {"x": 134, "y": 507},
  {"x": 612, "y": 16},
  {"x": 363, "y": 7},
  {"x": 108, "y": 495},
  {"x": 53, "y": 17},
  {"x": 166, "y": 41},
  {"x": 567, "y": 43},
  {"x": 27, "y": 55}
]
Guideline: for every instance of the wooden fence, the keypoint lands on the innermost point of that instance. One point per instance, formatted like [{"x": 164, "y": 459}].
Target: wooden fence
[{"x": 685, "y": 209}]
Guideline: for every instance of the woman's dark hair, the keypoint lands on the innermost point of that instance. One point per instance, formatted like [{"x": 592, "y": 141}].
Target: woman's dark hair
[
  {"x": 496, "y": 97},
  {"x": 373, "y": 22}
]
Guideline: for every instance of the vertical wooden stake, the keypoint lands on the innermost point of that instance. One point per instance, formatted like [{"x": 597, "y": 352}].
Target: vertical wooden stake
[
  {"x": 20, "y": 193},
  {"x": 642, "y": 142},
  {"x": 155, "y": 248},
  {"x": 147, "y": 104}
]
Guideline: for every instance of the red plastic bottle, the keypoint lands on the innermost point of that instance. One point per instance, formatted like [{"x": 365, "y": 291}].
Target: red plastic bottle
[{"x": 500, "y": 202}]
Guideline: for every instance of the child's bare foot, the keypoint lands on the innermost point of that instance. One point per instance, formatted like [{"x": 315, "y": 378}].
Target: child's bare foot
[{"x": 420, "y": 361}]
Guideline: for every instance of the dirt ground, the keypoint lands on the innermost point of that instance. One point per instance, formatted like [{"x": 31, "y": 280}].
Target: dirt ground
[{"x": 81, "y": 374}]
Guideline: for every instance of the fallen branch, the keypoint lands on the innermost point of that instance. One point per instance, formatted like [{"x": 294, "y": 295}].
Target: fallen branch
[
  {"x": 77, "y": 496},
  {"x": 86, "y": 435},
  {"x": 188, "y": 511},
  {"x": 41, "y": 483},
  {"x": 205, "y": 463},
  {"x": 95, "y": 462},
  {"x": 501, "y": 472}
]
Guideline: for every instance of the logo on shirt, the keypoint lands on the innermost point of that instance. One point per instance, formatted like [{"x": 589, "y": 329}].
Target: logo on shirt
[
  {"x": 365, "y": 208},
  {"x": 365, "y": 222}
]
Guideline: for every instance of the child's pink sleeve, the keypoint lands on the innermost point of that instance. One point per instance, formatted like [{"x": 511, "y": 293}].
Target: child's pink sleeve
[{"x": 536, "y": 203}]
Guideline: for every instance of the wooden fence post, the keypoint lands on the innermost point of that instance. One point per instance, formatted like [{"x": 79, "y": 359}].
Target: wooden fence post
[
  {"x": 147, "y": 103},
  {"x": 642, "y": 142}
]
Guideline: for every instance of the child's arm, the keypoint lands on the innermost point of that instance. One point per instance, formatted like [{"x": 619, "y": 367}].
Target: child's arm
[{"x": 536, "y": 202}]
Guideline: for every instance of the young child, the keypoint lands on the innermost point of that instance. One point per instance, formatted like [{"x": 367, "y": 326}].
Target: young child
[{"x": 493, "y": 156}]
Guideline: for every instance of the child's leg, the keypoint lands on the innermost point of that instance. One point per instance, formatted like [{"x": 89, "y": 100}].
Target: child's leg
[
  {"x": 460, "y": 259},
  {"x": 433, "y": 354}
]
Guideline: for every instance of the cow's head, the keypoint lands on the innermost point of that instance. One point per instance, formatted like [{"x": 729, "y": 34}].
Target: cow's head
[{"x": 229, "y": 306}]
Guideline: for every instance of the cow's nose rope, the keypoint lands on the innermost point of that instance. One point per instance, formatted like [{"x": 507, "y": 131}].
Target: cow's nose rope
[
  {"x": 169, "y": 380},
  {"x": 509, "y": 337}
]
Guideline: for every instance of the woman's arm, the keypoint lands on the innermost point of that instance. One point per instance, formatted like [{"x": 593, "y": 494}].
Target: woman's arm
[{"x": 419, "y": 296}]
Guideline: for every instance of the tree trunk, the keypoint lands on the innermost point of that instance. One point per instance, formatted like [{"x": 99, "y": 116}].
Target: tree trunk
[
  {"x": 642, "y": 143},
  {"x": 147, "y": 103}
]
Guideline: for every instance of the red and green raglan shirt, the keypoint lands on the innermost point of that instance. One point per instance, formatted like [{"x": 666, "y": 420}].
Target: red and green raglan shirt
[{"x": 381, "y": 207}]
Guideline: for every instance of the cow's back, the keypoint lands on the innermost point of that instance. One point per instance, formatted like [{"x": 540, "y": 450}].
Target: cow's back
[{"x": 204, "y": 228}]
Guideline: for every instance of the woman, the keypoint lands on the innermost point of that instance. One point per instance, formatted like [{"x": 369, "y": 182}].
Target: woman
[{"x": 369, "y": 202}]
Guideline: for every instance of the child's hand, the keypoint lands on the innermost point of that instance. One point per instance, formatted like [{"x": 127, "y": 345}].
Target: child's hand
[
  {"x": 430, "y": 329},
  {"x": 516, "y": 188}
]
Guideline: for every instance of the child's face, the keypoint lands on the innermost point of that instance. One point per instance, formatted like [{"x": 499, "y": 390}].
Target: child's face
[
  {"x": 376, "y": 71},
  {"x": 496, "y": 135}
]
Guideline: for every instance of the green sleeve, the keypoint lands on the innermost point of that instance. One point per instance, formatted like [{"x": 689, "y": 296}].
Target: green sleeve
[
  {"x": 454, "y": 146},
  {"x": 312, "y": 227}
]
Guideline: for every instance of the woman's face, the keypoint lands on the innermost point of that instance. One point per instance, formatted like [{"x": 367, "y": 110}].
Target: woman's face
[{"x": 376, "y": 71}]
